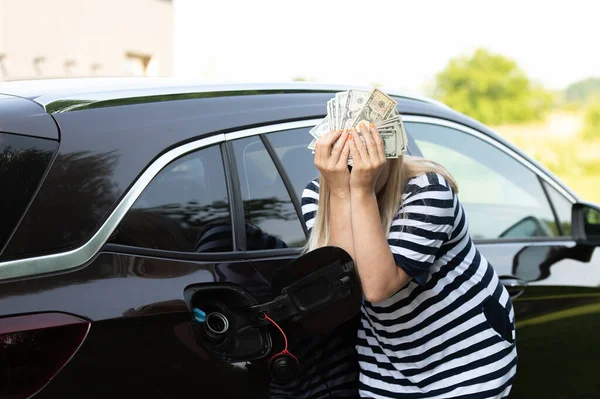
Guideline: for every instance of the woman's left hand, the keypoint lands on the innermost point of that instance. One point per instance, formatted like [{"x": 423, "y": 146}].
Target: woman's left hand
[{"x": 368, "y": 158}]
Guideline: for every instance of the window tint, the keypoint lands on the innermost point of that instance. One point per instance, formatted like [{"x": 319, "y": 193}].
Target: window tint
[
  {"x": 271, "y": 219},
  {"x": 298, "y": 161},
  {"x": 502, "y": 197},
  {"x": 23, "y": 161},
  {"x": 562, "y": 206},
  {"x": 184, "y": 208}
]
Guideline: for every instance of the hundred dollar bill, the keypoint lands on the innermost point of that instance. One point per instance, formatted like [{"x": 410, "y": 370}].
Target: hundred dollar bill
[
  {"x": 321, "y": 128},
  {"x": 312, "y": 145},
  {"x": 378, "y": 107}
]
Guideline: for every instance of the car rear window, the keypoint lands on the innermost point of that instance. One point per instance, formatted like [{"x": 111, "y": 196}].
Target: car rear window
[{"x": 23, "y": 161}]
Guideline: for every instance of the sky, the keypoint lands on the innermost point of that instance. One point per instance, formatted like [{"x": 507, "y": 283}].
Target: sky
[{"x": 398, "y": 44}]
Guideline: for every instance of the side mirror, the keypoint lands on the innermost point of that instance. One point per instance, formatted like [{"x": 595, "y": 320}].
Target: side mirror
[
  {"x": 585, "y": 224},
  {"x": 533, "y": 263}
]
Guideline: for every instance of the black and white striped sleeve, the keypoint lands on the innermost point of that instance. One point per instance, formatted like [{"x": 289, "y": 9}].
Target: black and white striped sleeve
[
  {"x": 424, "y": 222},
  {"x": 310, "y": 202}
]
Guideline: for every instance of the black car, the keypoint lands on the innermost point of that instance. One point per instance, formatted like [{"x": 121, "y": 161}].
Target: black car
[{"x": 131, "y": 207}]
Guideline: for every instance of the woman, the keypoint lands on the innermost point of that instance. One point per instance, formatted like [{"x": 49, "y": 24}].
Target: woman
[{"x": 435, "y": 320}]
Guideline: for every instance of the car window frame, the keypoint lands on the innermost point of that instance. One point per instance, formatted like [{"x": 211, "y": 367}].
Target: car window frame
[
  {"x": 35, "y": 188},
  {"x": 287, "y": 182},
  {"x": 235, "y": 198},
  {"x": 554, "y": 210},
  {"x": 76, "y": 257},
  {"x": 539, "y": 174}
]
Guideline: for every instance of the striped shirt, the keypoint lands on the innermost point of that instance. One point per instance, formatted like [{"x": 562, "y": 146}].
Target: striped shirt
[{"x": 449, "y": 333}]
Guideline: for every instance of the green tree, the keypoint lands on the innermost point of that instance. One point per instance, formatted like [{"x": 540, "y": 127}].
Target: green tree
[
  {"x": 492, "y": 89},
  {"x": 591, "y": 122},
  {"x": 583, "y": 91}
]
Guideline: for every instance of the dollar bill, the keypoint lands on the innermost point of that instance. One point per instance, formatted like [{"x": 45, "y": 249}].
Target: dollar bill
[
  {"x": 378, "y": 107},
  {"x": 331, "y": 114},
  {"x": 402, "y": 138},
  {"x": 390, "y": 142},
  {"x": 393, "y": 136},
  {"x": 321, "y": 128},
  {"x": 350, "y": 108},
  {"x": 340, "y": 105},
  {"x": 356, "y": 99},
  {"x": 399, "y": 134},
  {"x": 391, "y": 121}
]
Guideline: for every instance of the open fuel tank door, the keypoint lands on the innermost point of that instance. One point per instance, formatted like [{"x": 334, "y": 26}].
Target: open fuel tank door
[{"x": 320, "y": 288}]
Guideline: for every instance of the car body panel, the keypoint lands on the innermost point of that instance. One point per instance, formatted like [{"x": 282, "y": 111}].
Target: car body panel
[
  {"x": 141, "y": 331},
  {"x": 557, "y": 319},
  {"x": 140, "y": 339},
  {"x": 22, "y": 116}
]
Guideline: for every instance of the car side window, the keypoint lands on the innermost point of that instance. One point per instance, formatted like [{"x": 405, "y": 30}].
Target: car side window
[
  {"x": 297, "y": 160},
  {"x": 271, "y": 218},
  {"x": 184, "y": 208},
  {"x": 23, "y": 161},
  {"x": 502, "y": 198},
  {"x": 562, "y": 206}
]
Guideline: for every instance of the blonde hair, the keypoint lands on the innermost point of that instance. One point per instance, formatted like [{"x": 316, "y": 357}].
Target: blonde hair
[{"x": 389, "y": 198}]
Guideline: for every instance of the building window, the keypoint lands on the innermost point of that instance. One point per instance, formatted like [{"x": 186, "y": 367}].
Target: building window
[
  {"x": 37, "y": 65},
  {"x": 95, "y": 68},
  {"x": 137, "y": 64},
  {"x": 3, "y": 71},
  {"x": 70, "y": 67}
]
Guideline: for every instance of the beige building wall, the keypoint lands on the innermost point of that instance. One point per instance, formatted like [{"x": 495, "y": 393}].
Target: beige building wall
[{"x": 64, "y": 38}]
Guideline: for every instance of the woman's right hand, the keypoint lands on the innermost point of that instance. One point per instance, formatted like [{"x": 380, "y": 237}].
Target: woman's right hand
[{"x": 331, "y": 158}]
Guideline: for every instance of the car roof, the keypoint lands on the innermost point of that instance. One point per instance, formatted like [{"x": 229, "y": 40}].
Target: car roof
[{"x": 61, "y": 95}]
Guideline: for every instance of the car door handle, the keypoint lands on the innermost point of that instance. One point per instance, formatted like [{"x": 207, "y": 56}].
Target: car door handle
[{"x": 514, "y": 285}]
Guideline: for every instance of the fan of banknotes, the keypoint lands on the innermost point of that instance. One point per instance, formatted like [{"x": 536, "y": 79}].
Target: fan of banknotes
[{"x": 350, "y": 108}]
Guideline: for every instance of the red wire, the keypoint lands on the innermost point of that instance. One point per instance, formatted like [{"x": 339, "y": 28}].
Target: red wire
[
  {"x": 285, "y": 349},
  {"x": 279, "y": 328}
]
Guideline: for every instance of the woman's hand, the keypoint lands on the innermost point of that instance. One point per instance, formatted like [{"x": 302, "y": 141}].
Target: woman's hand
[
  {"x": 369, "y": 159},
  {"x": 379, "y": 276},
  {"x": 331, "y": 158}
]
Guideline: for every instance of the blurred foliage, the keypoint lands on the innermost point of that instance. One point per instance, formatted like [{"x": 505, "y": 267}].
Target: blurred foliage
[
  {"x": 573, "y": 159},
  {"x": 592, "y": 216},
  {"x": 492, "y": 89},
  {"x": 583, "y": 91},
  {"x": 591, "y": 122}
]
